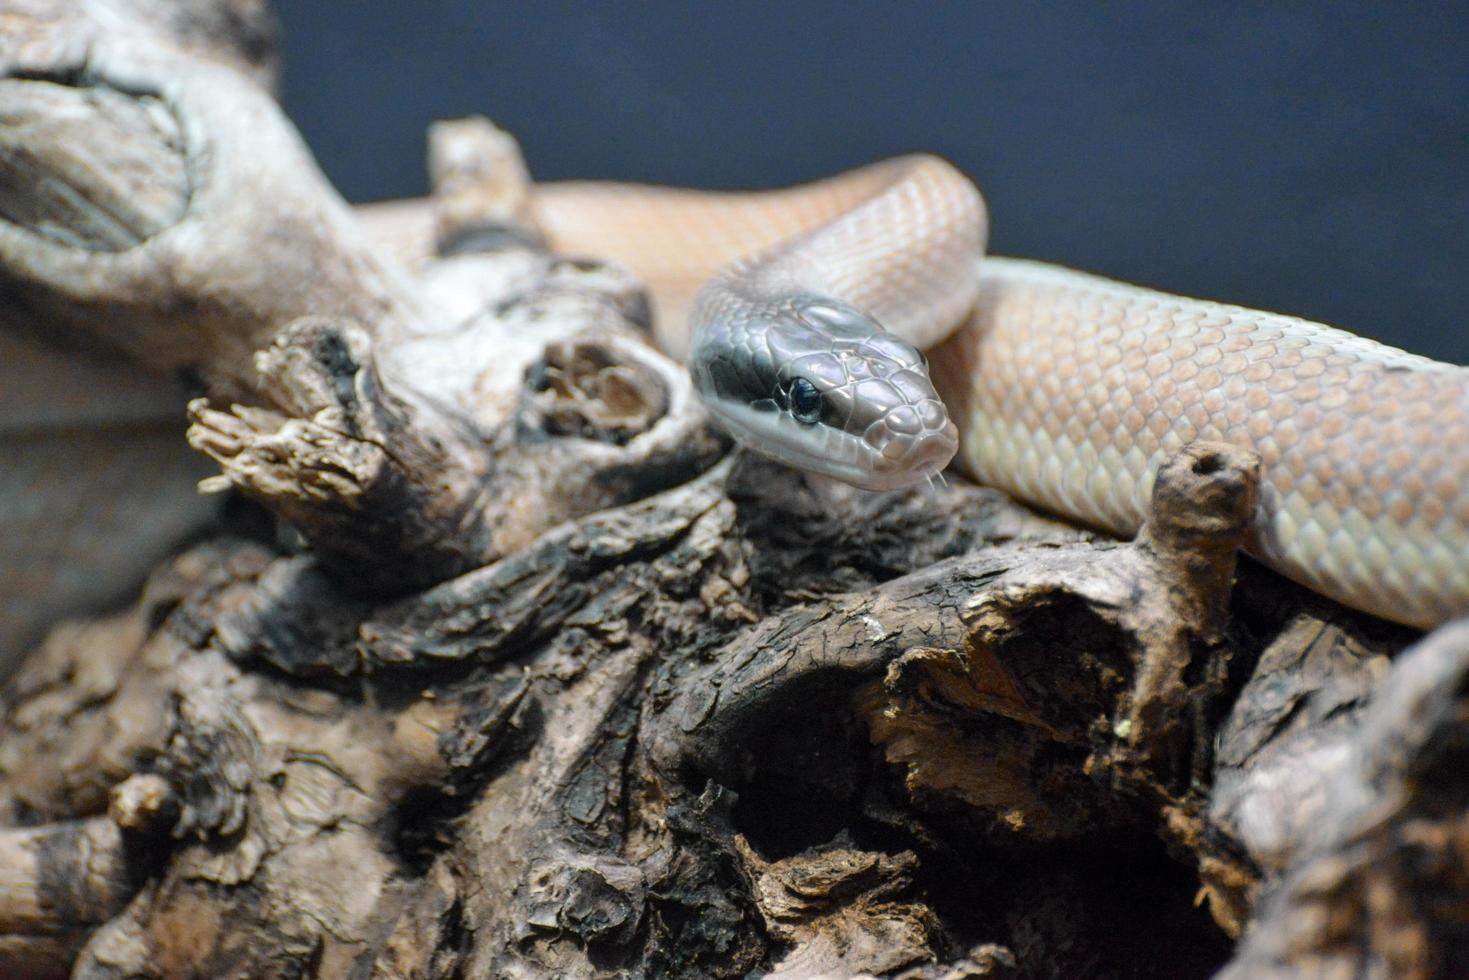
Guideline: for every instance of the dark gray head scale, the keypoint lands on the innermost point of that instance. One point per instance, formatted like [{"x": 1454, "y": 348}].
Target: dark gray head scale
[{"x": 824, "y": 387}]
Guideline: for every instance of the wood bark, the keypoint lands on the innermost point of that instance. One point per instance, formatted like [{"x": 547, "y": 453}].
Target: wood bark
[{"x": 501, "y": 664}]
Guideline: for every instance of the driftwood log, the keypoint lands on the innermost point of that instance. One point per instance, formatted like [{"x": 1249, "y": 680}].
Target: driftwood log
[{"x": 500, "y": 664}]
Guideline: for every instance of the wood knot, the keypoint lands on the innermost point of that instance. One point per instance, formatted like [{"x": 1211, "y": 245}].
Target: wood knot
[{"x": 586, "y": 389}]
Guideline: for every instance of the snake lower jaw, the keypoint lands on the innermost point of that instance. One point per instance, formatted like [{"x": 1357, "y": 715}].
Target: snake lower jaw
[
  {"x": 919, "y": 465},
  {"x": 898, "y": 461}
]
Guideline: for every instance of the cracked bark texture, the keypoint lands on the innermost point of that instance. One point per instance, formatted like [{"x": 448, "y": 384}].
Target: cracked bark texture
[{"x": 499, "y": 664}]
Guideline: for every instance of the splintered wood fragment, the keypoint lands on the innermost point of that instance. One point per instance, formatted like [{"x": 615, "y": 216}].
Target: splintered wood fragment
[{"x": 343, "y": 461}]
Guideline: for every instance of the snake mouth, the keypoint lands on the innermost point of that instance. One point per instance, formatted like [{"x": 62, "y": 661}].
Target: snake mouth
[
  {"x": 901, "y": 460},
  {"x": 920, "y": 465}
]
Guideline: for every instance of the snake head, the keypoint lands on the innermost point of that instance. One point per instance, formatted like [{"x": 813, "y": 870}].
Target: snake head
[{"x": 824, "y": 387}]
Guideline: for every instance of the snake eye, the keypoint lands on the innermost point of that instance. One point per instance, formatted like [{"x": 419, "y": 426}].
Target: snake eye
[{"x": 805, "y": 401}]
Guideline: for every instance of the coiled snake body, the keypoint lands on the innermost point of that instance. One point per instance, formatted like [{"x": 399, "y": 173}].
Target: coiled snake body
[{"x": 1064, "y": 389}]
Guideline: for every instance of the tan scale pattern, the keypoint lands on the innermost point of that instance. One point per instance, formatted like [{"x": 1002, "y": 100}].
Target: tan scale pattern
[
  {"x": 905, "y": 256},
  {"x": 677, "y": 238},
  {"x": 1070, "y": 390}
]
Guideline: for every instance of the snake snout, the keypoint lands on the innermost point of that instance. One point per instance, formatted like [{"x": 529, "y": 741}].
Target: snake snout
[{"x": 911, "y": 444}]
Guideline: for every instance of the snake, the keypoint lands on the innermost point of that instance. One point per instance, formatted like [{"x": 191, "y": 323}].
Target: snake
[{"x": 854, "y": 327}]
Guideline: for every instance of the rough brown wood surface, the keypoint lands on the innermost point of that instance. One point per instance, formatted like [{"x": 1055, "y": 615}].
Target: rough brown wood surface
[{"x": 499, "y": 663}]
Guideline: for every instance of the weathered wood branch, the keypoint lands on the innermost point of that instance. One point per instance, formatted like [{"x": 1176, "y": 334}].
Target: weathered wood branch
[{"x": 514, "y": 671}]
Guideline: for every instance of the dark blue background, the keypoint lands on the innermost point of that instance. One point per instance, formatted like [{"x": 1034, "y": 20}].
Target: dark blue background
[{"x": 1310, "y": 158}]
